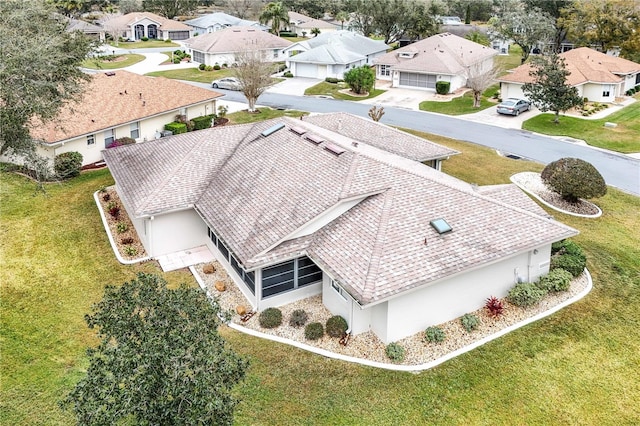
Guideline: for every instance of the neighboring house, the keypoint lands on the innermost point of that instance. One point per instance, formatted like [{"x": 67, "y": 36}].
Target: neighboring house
[
  {"x": 295, "y": 208},
  {"x": 302, "y": 25},
  {"x": 221, "y": 47},
  {"x": 597, "y": 76},
  {"x": 136, "y": 25},
  {"x": 442, "y": 57},
  {"x": 332, "y": 54},
  {"x": 118, "y": 104},
  {"x": 218, "y": 21},
  {"x": 88, "y": 29}
]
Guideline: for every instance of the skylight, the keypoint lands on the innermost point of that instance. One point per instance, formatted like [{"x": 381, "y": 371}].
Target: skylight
[
  {"x": 441, "y": 226},
  {"x": 272, "y": 129}
]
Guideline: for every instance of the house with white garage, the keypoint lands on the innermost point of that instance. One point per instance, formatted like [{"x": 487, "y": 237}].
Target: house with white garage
[
  {"x": 119, "y": 104},
  {"x": 597, "y": 76},
  {"x": 332, "y": 54},
  {"x": 302, "y": 25},
  {"x": 442, "y": 57},
  {"x": 221, "y": 47},
  {"x": 136, "y": 25},
  {"x": 295, "y": 208},
  {"x": 217, "y": 21}
]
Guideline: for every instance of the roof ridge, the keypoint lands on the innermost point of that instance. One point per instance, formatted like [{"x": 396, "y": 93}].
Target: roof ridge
[
  {"x": 376, "y": 253},
  {"x": 349, "y": 177}
]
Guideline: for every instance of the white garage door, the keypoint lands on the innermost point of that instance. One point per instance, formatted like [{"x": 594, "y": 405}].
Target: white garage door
[
  {"x": 307, "y": 70},
  {"x": 510, "y": 90}
]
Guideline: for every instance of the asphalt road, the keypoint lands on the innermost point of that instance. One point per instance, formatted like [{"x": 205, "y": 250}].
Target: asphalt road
[{"x": 618, "y": 170}]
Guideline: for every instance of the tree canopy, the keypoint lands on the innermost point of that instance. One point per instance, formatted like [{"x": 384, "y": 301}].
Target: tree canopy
[
  {"x": 254, "y": 73},
  {"x": 549, "y": 90},
  {"x": 276, "y": 14},
  {"x": 39, "y": 70},
  {"x": 170, "y": 8},
  {"x": 360, "y": 79},
  {"x": 160, "y": 360}
]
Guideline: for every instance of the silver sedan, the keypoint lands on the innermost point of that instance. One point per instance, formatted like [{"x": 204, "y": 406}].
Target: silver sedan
[
  {"x": 513, "y": 106},
  {"x": 230, "y": 83}
]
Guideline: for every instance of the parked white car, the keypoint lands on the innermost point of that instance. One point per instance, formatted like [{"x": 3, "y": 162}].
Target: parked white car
[{"x": 230, "y": 83}]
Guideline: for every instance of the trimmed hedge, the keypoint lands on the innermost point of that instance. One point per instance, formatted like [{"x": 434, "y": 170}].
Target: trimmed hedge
[
  {"x": 525, "y": 294},
  {"x": 270, "y": 318},
  {"x": 573, "y": 264},
  {"x": 203, "y": 122},
  {"x": 336, "y": 326},
  {"x": 556, "y": 280},
  {"x": 442, "y": 87},
  {"x": 176, "y": 127},
  {"x": 313, "y": 331}
]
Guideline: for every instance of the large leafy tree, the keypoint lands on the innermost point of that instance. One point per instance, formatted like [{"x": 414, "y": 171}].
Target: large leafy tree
[
  {"x": 254, "y": 73},
  {"x": 556, "y": 9},
  {"x": 526, "y": 28},
  {"x": 170, "y": 8},
  {"x": 276, "y": 14},
  {"x": 360, "y": 79},
  {"x": 38, "y": 71},
  {"x": 160, "y": 360},
  {"x": 312, "y": 8},
  {"x": 549, "y": 90}
]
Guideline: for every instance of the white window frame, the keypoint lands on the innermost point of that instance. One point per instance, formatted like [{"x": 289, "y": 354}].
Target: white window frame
[
  {"x": 135, "y": 127},
  {"x": 109, "y": 134},
  {"x": 91, "y": 140},
  {"x": 338, "y": 290},
  {"x": 385, "y": 70}
]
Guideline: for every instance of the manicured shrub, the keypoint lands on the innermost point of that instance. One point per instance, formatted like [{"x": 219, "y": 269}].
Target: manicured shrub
[
  {"x": 331, "y": 80},
  {"x": 208, "y": 68},
  {"x": 442, "y": 87},
  {"x": 298, "y": 318},
  {"x": 336, "y": 326},
  {"x": 203, "y": 122},
  {"x": 176, "y": 127},
  {"x": 144, "y": 38},
  {"x": 122, "y": 227},
  {"x": 313, "y": 331},
  {"x": 434, "y": 335},
  {"x": 201, "y": 67},
  {"x": 494, "y": 306},
  {"x": 573, "y": 179},
  {"x": 395, "y": 352},
  {"x": 574, "y": 264},
  {"x": 567, "y": 246},
  {"x": 525, "y": 294},
  {"x": 169, "y": 40},
  {"x": 470, "y": 322},
  {"x": 68, "y": 164},
  {"x": 281, "y": 67},
  {"x": 556, "y": 280},
  {"x": 360, "y": 79},
  {"x": 270, "y": 318},
  {"x": 216, "y": 67},
  {"x": 287, "y": 74}
]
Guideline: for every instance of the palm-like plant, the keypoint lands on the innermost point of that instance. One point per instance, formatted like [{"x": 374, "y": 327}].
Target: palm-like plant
[
  {"x": 275, "y": 13},
  {"x": 341, "y": 17}
]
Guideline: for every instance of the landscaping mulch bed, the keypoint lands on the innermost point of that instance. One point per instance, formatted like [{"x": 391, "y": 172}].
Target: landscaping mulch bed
[{"x": 127, "y": 241}]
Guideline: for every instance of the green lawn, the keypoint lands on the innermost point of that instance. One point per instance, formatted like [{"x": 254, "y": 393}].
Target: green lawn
[
  {"x": 333, "y": 90},
  {"x": 193, "y": 74},
  {"x": 462, "y": 104},
  {"x": 143, "y": 44},
  {"x": 265, "y": 113},
  {"x": 624, "y": 138},
  {"x": 121, "y": 62},
  {"x": 579, "y": 366}
]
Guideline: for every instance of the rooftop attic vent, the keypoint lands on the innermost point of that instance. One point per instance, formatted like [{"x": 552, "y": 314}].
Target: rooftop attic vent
[
  {"x": 272, "y": 129},
  {"x": 314, "y": 138},
  {"x": 441, "y": 226},
  {"x": 298, "y": 130},
  {"x": 334, "y": 149},
  {"x": 110, "y": 73}
]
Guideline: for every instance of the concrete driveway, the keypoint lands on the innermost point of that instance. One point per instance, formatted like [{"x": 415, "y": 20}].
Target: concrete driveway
[
  {"x": 293, "y": 86},
  {"x": 491, "y": 116}
]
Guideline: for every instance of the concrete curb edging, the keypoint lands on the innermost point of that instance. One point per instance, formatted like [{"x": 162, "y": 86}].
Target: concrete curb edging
[
  {"x": 551, "y": 206},
  {"x": 111, "y": 240},
  {"x": 408, "y": 368}
]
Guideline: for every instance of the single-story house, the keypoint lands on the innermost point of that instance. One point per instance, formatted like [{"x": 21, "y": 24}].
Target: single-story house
[
  {"x": 217, "y": 21},
  {"x": 597, "y": 76},
  {"x": 221, "y": 47},
  {"x": 442, "y": 57},
  {"x": 303, "y": 24},
  {"x": 332, "y": 54},
  {"x": 87, "y": 28},
  {"x": 295, "y": 208},
  {"x": 118, "y": 104},
  {"x": 136, "y": 25}
]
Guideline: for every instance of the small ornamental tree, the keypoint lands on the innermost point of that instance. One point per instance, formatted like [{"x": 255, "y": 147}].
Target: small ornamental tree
[
  {"x": 573, "y": 179},
  {"x": 159, "y": 361},
  {"x": 68, "y": 164},
  {"x": 360, "y": 79}
]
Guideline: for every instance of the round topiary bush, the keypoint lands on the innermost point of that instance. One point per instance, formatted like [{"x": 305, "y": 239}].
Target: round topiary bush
[
  {"x": 525, "y": 294},
  {"x": 298, "y": 318},
  {"x": 201, "y": 67},
  {"x": 270, "y": 318},
  {"x": 556, "y": 280},
  {"x": 68, "y": 164},
  {"x": 313, "y": 331},
  {"x": 434, "y": 335},
  {"x": 395, "y": 352},
  {"x": 573, "y": 179},
  {"x": 442, "y": 87},
  {"x": 336, "y": 326}
]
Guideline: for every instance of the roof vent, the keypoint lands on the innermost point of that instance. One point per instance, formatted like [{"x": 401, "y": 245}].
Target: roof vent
[
  {"x": 110, "y": 73},
  {"x": 298, "y": 130},
  {"x": 334, "y": 149},
  {"x": 314, "y": 138},
  {"x": 441, "y": 226},
  {"x": 272, "y": 129}
]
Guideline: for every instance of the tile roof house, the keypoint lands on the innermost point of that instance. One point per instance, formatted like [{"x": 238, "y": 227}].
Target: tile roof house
[
  {"x": 597, "y": 76},
  {"x": 303, "y": 24},
  {"x": 295, "y": 208},
  {"x": 332, "y": 54},
  {"x": 442, "y": 57},
  {"x": 117, "y": 104},
  {"x": 136, "y": 25},
  {"x": 87, "y": 28},
  {"x": 217, "y": 21},
  {"x": 221, "y": 47}
]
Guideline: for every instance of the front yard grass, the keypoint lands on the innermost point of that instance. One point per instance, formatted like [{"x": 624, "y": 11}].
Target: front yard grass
[
  {"x": 333, "y": 90},
  {"x": 578, "y": 366},
  {"x": 624, "y": 138},
  {"x": 121, "y": 62},
  {"x": 462, "y": 104},
  {"x": 143, "y": 44},
  {"x": 265, "y": 113},
  {"x": 193, "y": 74}
]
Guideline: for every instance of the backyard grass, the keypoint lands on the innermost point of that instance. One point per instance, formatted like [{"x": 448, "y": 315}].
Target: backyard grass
[
  {"x": 333, "y": 90},
  {"x": 265, "y": 113},
  {"x": 193, "y": 74},
  {"x": 143, "y": 44},
  {"x": 462, "y": 104},
  {"x": 579, "y": 366},
  {"x": 624, "y": 138},
  {"x": 121, "y": 62}
]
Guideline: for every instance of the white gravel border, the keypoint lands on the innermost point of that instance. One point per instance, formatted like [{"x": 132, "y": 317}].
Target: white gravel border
[{"x": 400, "y": 367}]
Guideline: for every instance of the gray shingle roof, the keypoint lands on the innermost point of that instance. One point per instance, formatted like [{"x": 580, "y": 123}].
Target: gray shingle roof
[
  {"x": 222, "y": 19},
  {"x": 235, "y": 39},
  {"x": 256, "y": 192},
  {"x": 337, "y": 47}
]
